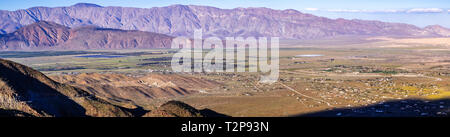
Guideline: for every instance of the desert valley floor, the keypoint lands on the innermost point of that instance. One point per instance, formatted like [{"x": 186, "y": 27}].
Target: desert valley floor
[{"x": 368, "y": 77}]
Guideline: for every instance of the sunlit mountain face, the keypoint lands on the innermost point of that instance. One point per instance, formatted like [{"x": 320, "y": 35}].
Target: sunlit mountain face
[{"x": 417, "y": 12}]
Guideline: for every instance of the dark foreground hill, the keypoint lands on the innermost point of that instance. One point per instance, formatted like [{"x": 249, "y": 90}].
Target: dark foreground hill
[
  {"x": 395, "y": 108},
  {"x": 180, "y": 109},
  {"x": 29, "y": 91}
]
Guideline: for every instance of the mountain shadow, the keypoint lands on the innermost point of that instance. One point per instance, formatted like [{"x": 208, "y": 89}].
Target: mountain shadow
[
  {"x": 181, "y": 109},
  {"x": 211, "y": 113},
  {"x": 398, "y": 108},
  {"x": 13, "y": 113},
  {"x": 39, "y": 96}
]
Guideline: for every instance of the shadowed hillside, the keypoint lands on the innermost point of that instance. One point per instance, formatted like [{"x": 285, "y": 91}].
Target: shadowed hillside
[
  {"x": 27, "y": 90},
  {"x": 180, "y": 109},
  {"x": 182, "y": 20},
  {"x": 13, "y": 113},
  {"x": 400, "y": 108}
]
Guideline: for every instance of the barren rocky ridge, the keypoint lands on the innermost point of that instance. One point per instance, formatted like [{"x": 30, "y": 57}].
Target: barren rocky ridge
[
  {"x": 182, "y": 20},
  {"x": 45, "y": 35}
]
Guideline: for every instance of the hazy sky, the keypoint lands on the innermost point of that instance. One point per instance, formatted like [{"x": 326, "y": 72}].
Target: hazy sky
[{"x": 417, "y": 12}]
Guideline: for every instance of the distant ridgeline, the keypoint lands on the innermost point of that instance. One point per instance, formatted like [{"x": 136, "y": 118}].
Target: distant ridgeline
[
  {"x": 178, "y": 20},
  {"x": 45, "y": 35},
  {"x": 25, "y": 92}
]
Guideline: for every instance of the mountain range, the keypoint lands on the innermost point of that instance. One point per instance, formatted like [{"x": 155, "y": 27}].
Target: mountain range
[
  {"x": 44, "y": 35},
  {"x": 30, "y": 92},
  {"x": 182, "y": 20},
  {"x": 91, "y": 26}
]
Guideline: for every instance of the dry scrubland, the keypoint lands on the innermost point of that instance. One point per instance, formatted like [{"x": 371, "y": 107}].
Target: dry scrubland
[{"x": 349, "y": 74}]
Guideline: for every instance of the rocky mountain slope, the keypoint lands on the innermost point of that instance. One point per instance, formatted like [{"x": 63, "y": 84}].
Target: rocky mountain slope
[
  {"x": 182, "y": 20},
  {"x": 181, "y": 109},
  {"x": 49, "y": 35},
  {"x": 25, "y": 90},
  {"x": 122, "y": 89}
]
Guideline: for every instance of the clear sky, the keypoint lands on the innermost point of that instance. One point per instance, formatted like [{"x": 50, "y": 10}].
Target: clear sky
[{"x": 417, "y": 12}]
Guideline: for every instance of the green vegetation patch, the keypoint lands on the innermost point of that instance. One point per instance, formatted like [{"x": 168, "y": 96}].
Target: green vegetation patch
[{"x": 29, "y": 54}]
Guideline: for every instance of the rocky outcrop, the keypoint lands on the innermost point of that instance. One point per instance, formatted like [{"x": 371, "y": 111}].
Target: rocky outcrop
[{"x": 24, "y": 91}]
